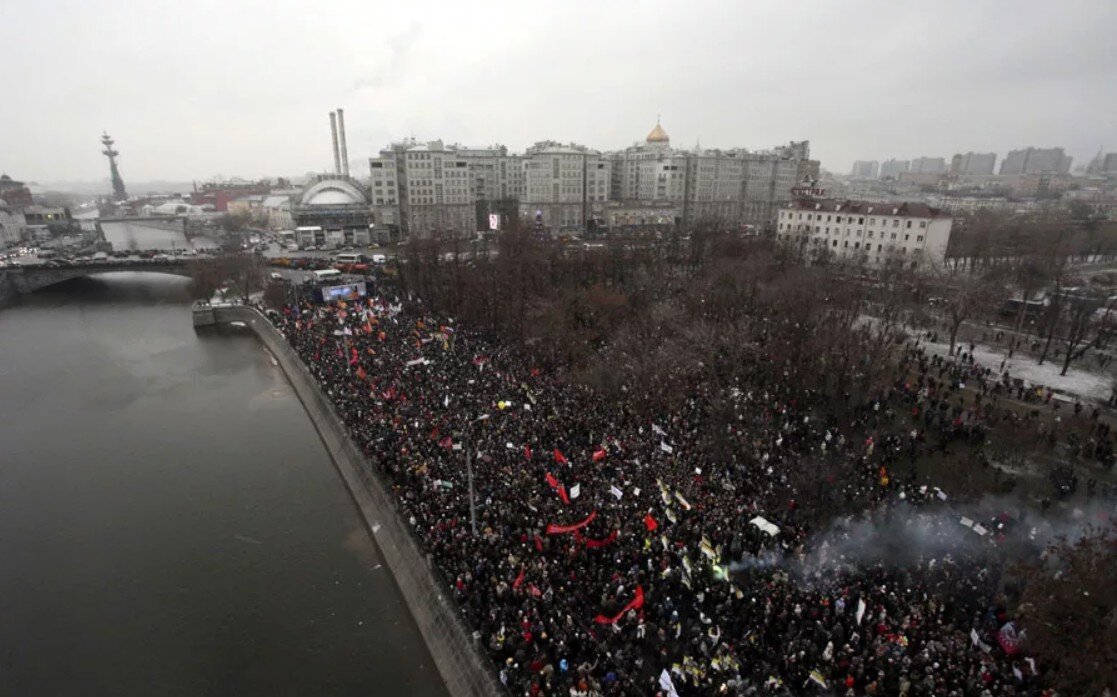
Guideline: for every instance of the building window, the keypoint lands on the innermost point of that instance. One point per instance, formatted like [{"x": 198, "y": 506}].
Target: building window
[
  {"x": 919, "y": 238},
  {"x": 896, "y": 223},
  {"x": 893, "y": 235},
  {"x": 835, "y": 243},
  {"x": 922, "y": 223},
  {"x": 909, "y": 225},
  {"x": 860, "y": 221},
  {"x": 906, "y": 237}
]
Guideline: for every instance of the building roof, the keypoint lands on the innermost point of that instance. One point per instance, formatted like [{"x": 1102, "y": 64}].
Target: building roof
[
  {"x": 908, "y": 209},
  {"x": 658, "y": 135}
]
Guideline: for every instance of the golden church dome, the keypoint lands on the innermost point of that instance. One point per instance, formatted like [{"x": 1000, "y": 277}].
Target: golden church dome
[{"x": 658, "y": 135}]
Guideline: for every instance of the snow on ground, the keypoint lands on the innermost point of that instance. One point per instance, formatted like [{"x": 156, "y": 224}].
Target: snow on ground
[{"x": 1083, "y": 383}]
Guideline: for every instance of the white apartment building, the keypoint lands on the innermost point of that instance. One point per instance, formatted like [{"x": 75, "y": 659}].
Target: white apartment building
[{"x": 910, "y": 234}]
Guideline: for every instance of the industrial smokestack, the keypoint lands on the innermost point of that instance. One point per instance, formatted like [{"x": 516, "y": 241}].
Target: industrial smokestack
[
  {"x": 344, "y": 151},
  {"x": 333, "y": 134}
]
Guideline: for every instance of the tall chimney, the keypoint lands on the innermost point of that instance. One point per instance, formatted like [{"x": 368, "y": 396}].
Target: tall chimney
[
  {"x": 344, "y": 151},
  {"x": 333, "y": 133}
]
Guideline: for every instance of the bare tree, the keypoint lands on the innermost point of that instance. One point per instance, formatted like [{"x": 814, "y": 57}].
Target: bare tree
[{"x": 1069, "y": 610}]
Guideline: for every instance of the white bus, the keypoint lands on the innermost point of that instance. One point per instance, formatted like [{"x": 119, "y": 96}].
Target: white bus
[{"x": 326, "y": 275}]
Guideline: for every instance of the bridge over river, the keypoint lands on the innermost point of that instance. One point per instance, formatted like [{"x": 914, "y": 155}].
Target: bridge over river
[{"x": 19, "y": 280}]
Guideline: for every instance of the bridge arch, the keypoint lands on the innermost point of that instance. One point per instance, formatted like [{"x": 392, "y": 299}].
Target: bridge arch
[{"x": 31, "y": 280}]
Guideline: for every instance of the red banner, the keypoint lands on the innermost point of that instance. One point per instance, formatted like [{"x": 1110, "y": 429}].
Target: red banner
[
  {"x": 649, "y": 523},
  {"x": 560, "y": 458},
  {"x": 636, "y": 604},
  {"x": 519, "y": 579},
  {"x": 599, "y": 455},
  {"x": 596, "y": 544},
  {"x": 553, "y": 529}
]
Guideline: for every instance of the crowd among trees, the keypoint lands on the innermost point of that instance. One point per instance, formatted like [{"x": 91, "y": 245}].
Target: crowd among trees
[{"x": 650, "y": 322}]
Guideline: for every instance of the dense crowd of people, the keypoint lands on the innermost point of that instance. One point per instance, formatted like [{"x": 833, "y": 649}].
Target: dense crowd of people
[{"x": 615, "y": 555}]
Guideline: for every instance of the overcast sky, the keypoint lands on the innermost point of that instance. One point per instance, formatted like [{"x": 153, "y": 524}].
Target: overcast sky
[{"x": 192, "y": 90}]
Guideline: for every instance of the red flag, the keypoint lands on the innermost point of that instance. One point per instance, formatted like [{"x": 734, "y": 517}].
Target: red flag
[
  {"x": 635, "y": 604},
  {"x": 649, "y": 523},
  {"x": 599, "y": 455},
  {"x": 535, "y": 592},
  {"x": 361, "y": 374},
  {"x": 553, "y": 529},
  {"x": 519, "y": 579},
  {"x": 538, "y": 543},
  {"x": 558, "y": 487},
  {"x": 560, "y": 458},
  {"x": 527, "y": 452},
  {"x": 353, "y": 355},
  {"x": 446, "y": 442},
  {"x": 535, "y": 372}
]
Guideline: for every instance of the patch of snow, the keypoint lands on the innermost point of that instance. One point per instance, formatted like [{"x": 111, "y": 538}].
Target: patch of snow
[{"x": 1083, "y": 383}]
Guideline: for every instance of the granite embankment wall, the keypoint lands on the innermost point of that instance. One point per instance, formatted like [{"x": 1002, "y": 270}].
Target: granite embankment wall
[{"x": 462, "y": 662}]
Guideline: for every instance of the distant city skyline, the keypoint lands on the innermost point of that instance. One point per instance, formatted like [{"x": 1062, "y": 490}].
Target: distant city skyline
[{"x": 244, "y": 89}]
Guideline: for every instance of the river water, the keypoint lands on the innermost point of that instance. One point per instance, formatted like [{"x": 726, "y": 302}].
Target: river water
[{"x": 170, "y": 523}]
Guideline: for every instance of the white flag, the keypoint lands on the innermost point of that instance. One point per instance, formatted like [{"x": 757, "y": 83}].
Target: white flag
[
  {"x": 575, "y": 490},
  {"x": 666, "y": 684},
  {"x": 860, "y": 610},
  {"x": 666, "y": 448},
  {"x": 768, "y": 527},
  {"x": 616, "y": 492},
  {"x": 658, "y": 430},
  {"x": 418, "y": 361}
]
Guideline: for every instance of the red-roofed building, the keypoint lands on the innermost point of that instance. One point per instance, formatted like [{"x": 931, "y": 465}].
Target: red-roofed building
[{"x": 908, "y": 234}]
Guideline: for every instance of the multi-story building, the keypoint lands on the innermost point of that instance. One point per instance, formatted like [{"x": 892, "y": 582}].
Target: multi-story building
[
  {"x": 866, "y": 169},
  {"x": 892, "y": 169},
  {"x": 565, "y": 186},
  {"x": 15, "y": 194},
  {"x": 13, "y": 227},
  {"x": 735, "y": 185},
  {"x": 1036, "y": 160},
  {"x": 426, "y": 189},
  {"x": 906, "y": 234},
  {"x": 973, "y": 163},
  {"x": 928, "y": 165}
]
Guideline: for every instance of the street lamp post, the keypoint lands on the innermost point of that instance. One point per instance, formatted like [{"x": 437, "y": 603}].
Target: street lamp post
[
  {"x": 469, "y": 472},
  {"x": 472, "y": 498}
]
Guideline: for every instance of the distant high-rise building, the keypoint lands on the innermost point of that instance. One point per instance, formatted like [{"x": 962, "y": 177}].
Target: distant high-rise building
[
  {"x": 928, "y": 165},
  {"x": 973, "y": 163},
  {"x": 892, "y": 169},
  {"x": 866, "y": 169},
  {"x": 1109, "y": 165},
  {"x": 1036, "y": 160}
]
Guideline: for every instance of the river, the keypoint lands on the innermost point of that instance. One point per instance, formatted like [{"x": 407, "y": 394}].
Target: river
[
  {"x": 133, "y": 235},
  {"x": 170, "y": 523}
]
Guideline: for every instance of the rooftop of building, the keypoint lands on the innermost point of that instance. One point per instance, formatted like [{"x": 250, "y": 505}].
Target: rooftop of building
[{"x": 906, "y": 208}]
